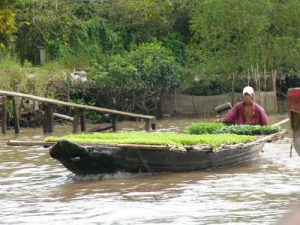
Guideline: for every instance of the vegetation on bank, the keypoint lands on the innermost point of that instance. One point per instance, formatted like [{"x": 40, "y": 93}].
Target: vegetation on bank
[
  {"x": 51, "y": 80},
  {"x": 136, "y": 50},
  {"x": 172, "y": 139},
  {"x": 219, "y": 128}
]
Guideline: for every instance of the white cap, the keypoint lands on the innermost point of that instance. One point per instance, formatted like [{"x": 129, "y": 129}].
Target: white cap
[{"x": 248, "y": 90}]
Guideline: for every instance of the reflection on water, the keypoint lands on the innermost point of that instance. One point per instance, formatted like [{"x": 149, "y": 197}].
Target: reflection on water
[{"x": 36, "y": 189}]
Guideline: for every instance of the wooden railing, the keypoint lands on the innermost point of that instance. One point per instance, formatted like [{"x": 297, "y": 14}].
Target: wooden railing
[{"x": 49, "y": 107}]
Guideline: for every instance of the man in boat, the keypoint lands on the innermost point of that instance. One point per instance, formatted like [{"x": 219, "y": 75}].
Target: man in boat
[{"x": 247, "y": 111}]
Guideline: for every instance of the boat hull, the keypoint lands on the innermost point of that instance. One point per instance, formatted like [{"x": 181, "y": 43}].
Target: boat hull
[
  {"x": 105, "y": 160},
  {"x": 294, "y": 108}
]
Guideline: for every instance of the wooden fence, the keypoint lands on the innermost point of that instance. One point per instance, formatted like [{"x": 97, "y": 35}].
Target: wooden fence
[
  {"x": 203, "y": 106},
  {"x": 49, "y": 108}
]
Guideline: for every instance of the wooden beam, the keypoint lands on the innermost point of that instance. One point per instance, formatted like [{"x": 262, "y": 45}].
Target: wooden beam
[
  {"x": 58, "y": 115},
  {"x": 64, "y": 117},
  {"x": 281, "y": 122},
  {"x": 100, "y": 129}
]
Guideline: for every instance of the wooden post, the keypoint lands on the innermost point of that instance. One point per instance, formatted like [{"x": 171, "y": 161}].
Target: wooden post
[
  {"x": 114, "y": 123},
  {"x": 82, "y": 120},
  {"x": 150, "y": 124},
  {"x": 153, "y": 124},
  {"x": 76, "y": 121},
  {"x": 16, "y": 114},
  {"x": 274, "y": 89},
  {"x": 147, "y": 125},
  {"x": 4, "y": 115},
  {"x": 48, "y": 124}
]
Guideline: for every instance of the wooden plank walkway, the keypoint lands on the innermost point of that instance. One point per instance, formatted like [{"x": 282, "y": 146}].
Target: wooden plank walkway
[{"x": 50, "y": 104}]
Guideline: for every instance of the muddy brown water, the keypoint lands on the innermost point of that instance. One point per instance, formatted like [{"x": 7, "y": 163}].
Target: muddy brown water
[{"x": 35, "y": 189}]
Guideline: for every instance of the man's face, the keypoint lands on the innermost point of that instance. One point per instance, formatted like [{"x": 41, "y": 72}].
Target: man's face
[{"x": 248, "y": 98}]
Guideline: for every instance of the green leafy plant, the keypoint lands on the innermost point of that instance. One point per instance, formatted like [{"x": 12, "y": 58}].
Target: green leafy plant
[
  {"x": 204, "y": 128},
  {"x": 218, "y": 128},
  {"x": 248, "y": 129},
  {"x": 172, "y": 139}
]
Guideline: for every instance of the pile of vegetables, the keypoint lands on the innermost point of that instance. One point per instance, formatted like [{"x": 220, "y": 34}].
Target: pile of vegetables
[
  {"x": 218, "y": 128},
  {"x": 173, "y": 139}
]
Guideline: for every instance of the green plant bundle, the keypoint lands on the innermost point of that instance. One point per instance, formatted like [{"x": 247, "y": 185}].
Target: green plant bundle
[
  {"x": 204, "y": 128},
  {"x": 248, "y": 129},
  {"x": 172, "y": 139},
  {"x": 218, "y": 128}
]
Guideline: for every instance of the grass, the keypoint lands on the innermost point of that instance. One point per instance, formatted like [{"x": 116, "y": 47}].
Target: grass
[
  {"x": 173, "y": 139},
  {"x": 31, "y": 79}
]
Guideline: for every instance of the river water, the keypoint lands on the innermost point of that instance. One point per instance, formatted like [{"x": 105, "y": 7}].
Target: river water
[{"x": 35, "y": 189}]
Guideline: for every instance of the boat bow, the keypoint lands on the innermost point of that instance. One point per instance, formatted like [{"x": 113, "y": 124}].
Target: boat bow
[{"x": 71, "y": 150}]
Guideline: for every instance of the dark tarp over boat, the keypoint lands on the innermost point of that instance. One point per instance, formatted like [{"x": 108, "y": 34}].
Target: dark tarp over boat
[
  {"x": 294, "y": 108},
  {"x": 104, "y": 158}
]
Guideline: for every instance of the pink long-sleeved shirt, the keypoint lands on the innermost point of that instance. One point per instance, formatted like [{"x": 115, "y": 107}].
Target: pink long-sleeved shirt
[{"x": 237, "y": 115}]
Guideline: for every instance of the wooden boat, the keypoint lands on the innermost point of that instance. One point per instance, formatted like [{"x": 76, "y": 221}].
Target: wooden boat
[
  {"x": 105, "y": 159},
  {"x": 294, "y": 109}
]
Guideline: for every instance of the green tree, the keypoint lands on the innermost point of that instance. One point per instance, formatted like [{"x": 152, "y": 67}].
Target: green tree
[
  {"x": 7, "y": 25},
  {"x": 68, "y": 31},
  {"x": 284, "y": 38},
  {"x": 231, "y": 37},
  {"x": 140, "y": 21},
  {"x": 156, "y": 65},
  {"x": 137, "y": 79}
]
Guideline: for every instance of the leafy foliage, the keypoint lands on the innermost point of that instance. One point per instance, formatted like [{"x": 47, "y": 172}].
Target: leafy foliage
[
  {"x": 232, "y": 37},
  {"x": 157, "y": 67},
  {"x": 7, "y": 27},
  {"x": 142, "y": 73},
  {"x": 140, "y": 21}
]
